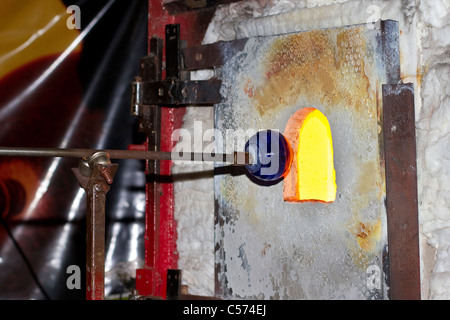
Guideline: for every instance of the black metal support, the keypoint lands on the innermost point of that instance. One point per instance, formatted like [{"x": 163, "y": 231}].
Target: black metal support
[
  {"x": 177, "y": 92},
  {"x": 173, "y": 57},
  {"x": 173, "y": 291}
]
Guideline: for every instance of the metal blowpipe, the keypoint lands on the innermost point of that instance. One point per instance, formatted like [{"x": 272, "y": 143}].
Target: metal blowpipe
[{"x": 235, "y": 158}]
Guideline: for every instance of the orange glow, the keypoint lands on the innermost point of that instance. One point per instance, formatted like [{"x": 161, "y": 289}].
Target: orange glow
[
  {"x": 25, "y": 174},
  {"x": 312, "y": 176}
]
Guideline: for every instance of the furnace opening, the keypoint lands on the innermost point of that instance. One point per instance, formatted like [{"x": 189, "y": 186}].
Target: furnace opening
[{"x": 312, "y": 176}]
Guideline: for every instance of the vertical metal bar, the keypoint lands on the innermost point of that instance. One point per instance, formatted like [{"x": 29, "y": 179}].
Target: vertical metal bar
[
  {"x": 153, "y": 196},
  {"x": 173, "y": 54},
  {"x": 390, "y": 53},
  {"x": 152, "y": 120},
  {"x": 150, "y": 123},
  {"x": 96, "y": 187},
  {"x": 173, "y": 284},
  {"x": 171, "y": 119},
  {"x": 151, "y": 65},
  {"x": 401, "y": 191},
  {"x": 95, "y": 240}
]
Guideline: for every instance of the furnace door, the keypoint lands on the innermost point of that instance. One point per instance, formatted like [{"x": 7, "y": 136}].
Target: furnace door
[{"x": 267, "y": 248}]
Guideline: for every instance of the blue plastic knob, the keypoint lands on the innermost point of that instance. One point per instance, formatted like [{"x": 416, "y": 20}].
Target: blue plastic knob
[{"x": 272, "y": 155}]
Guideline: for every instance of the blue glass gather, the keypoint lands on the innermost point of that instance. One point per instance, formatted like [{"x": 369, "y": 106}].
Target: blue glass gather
[{"x": 271, "y": 153}]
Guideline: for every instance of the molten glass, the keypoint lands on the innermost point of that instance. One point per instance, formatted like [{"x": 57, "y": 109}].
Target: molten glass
[
  {"x": 272, "y": 155},
  {"x": 312, "y": 176}
]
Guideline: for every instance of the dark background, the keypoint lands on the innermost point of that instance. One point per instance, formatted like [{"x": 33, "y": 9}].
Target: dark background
[{"x": 36, "y": 247}]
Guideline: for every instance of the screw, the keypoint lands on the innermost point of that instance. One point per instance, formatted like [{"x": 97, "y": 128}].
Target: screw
[
  {"x": 198, "y": 56},
  {"x": 106, "y": 174}
]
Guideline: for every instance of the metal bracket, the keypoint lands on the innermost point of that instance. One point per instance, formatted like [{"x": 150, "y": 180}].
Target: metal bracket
[
  {"x": 176, "y": 89},
  {"x": 173, "y": 291},
  {"x": 176, "y": 92}
]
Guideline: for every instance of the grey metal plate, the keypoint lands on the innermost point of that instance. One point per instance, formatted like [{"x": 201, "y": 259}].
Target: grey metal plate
[{"x": 267, "y": 248}]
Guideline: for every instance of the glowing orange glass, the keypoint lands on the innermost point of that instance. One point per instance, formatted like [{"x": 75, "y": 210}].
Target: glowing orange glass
[{"x": 312, "y": 176}]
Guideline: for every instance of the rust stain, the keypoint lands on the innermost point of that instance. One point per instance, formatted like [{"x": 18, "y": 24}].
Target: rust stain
[
  {"x": 248, "y": 88},
  {"x": 368, "y": 235},
  {"x": 420, "y": 74},
  {"x": 419, "y": 77},
  {"x": 364, "y": 243},
  {"x": 266, "y": 247},
  {"x": 367, "y": 180},
  {"x": 328, "y": 69}
]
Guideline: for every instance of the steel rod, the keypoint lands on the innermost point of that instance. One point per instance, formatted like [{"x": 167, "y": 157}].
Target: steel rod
[{"x": 237, "y": 158}]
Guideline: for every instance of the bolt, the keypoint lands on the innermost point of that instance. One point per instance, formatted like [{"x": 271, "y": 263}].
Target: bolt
[{"x": 106, "y": 174}]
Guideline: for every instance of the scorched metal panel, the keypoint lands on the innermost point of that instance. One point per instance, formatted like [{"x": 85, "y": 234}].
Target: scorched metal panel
[{"x": 266, "y": 248}]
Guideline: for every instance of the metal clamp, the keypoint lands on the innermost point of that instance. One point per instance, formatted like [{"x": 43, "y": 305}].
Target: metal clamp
[{"x": 95, "y": 175}]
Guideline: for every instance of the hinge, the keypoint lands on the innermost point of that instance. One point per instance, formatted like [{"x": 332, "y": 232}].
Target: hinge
[{"x": 176, "y": 89}]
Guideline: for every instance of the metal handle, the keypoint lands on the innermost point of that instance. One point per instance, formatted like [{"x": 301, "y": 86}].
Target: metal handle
[{"x": 236, "y": 158}]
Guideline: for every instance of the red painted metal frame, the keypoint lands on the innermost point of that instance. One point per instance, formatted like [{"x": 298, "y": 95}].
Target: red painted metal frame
[{"x": 161, "y": 250}]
